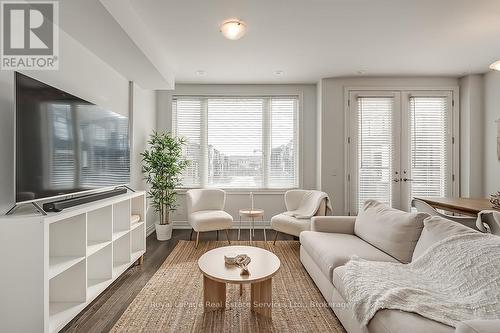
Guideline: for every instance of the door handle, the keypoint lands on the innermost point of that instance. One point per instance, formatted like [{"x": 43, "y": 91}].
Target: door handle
[
  {"x": 396, "y": 180},
  {"x": 407, "y": 179}
]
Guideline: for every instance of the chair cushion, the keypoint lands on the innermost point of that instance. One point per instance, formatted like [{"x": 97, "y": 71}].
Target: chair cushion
[
  {"x": 330, "y": 250},
  {"x": 290, "y": 225},
  {"x": 391, "y": 230},
  {"x": 209, "y": 220},
  {"x": 435, "y": 229},
  {"x": 392, "y": 321}
]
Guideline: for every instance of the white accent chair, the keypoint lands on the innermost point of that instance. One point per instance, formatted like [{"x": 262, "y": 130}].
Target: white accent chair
[
  {"x": 289, "y": 224},
  {"x": 205, "y": 211}
]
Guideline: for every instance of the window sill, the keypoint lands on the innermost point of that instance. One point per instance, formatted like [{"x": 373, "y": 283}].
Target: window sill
[{"x": 234, "y": 191}]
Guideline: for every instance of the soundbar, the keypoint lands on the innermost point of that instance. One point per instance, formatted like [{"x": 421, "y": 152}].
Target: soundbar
[{"x": 57, "y": 206}]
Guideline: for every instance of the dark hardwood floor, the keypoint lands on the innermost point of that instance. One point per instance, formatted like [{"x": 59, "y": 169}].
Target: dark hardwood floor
[{"x": 106, "y": 309}]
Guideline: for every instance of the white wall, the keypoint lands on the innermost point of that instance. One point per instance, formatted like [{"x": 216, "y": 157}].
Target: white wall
[
  {"x": 491, "y": 167},
  {"x": 85, "y": 75},
  {"x": 271, "y": 202},
  {"x": 143, "y": 119},
  {"x": 332, "y": 116},
  {"x": 471, "y": 135}
]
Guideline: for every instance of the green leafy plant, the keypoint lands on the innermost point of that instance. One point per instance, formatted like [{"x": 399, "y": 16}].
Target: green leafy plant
[{"x": 163, "y": 164}]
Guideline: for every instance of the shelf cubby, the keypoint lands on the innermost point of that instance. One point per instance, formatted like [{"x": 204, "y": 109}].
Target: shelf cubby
[
  {"x": 138, "y": 241},
  {"x": 99, "y": 229},
  {"x": 137, "y": 207},
  {"x": 67, "y": 295},
  {"x": 121, "y": 217},
  {"x": 67, "y": 246},
  {"x": 121, "y": 254},
  {"x": 99, "y": 271}
]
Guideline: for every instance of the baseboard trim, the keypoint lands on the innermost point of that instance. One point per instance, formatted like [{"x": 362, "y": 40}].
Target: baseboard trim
[
  {"x": 185, "y": 225},
  {"x": 150, "y": 229}
]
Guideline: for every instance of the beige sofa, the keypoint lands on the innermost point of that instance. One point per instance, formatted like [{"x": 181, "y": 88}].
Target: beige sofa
[{"x": 333, "y": 240}]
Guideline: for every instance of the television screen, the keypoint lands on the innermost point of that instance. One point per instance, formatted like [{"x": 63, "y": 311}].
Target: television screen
[{"x": 65, "y": 144}]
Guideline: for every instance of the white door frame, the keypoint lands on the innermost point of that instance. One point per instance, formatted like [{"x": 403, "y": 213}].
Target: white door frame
[{"x": 415, "y": 91}]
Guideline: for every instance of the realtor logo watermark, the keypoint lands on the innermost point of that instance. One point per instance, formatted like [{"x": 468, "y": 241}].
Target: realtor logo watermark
[{"x": 30, "y": 35}]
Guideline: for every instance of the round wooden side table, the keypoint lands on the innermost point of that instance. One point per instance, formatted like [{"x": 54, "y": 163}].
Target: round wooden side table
[
  {"x": 252, "y": 214},
  {"x": 216, "y": 274}
]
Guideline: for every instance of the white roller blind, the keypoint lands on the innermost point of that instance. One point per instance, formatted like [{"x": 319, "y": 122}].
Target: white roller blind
[
  {"x": 429, "y": 129},
  {"x": 235, "y": 142},
  {"x": 186, "y": 114},
  {"x": 283, "y": 144},
  {"x": 250, "y": 142},
  {"x": 375, "y": 149}
]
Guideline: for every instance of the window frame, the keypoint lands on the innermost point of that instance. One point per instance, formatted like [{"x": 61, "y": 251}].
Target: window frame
[{"x": 265, "y": 173}]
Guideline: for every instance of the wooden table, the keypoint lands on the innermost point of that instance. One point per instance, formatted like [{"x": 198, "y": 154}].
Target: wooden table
[
  {"x": 464, "y": 206},
  {"x": 216, "y": 274}
]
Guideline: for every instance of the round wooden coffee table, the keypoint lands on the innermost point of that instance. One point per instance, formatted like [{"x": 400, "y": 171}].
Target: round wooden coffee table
[{"x": 216, "y": 273}]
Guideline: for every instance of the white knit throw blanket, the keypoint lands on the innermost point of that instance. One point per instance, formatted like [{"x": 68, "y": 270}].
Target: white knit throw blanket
[
  {"x": 456, "y": 279},
  {"x": 309, "y": 205}
]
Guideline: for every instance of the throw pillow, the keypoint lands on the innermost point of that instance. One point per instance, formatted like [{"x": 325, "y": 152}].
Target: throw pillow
[
  {"x": 391, "y": 230},
  {"x": 435, "y": 229}
]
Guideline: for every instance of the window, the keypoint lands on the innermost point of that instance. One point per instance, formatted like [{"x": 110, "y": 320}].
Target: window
[{"x": 239, "y": 142}]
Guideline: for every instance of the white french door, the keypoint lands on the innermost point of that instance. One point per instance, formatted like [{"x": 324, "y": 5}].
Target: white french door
[{"x": 400, "y": 146}]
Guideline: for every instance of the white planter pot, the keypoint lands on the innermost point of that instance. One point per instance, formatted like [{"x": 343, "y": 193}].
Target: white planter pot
[{"x": 163, "y": 231}]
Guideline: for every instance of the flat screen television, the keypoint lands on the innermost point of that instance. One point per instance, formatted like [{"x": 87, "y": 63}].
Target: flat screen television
[{"x": 64, "y": 144}]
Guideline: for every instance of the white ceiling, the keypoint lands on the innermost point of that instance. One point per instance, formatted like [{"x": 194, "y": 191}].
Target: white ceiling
[{"x": 313, "y": 39}]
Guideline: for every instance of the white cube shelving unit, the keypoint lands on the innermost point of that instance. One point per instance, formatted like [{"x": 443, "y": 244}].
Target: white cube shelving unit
[{"x": 57, "y": 264}]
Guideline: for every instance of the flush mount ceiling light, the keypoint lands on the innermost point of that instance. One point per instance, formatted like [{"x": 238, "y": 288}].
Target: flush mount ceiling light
[
  {"x": 233, "y": 29},
  {"x": 495, "y": 65}
]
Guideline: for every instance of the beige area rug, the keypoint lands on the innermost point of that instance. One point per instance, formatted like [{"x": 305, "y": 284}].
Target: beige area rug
[{"x": 172, "y": 299}]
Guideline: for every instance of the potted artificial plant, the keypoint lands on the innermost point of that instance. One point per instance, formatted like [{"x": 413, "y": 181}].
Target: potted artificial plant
[{"x": 163, "y": 164}]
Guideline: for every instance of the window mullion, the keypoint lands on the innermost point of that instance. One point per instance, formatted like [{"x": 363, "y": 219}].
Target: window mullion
[
  {"x": 266, "y": 141},
  {"x": 204, "y": 142}
]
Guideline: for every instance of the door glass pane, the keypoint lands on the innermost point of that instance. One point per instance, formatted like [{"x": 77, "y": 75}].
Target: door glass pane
[
  {"x": 429, "y": 146},
  {"x": 375, "y": 149}
]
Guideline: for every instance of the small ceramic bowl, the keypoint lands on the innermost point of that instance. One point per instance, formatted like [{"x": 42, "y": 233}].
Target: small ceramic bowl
[{"x": 230, "y": 258}]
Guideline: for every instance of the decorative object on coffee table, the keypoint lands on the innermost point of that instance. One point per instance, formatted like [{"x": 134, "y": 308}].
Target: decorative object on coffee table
[
  {"x": 216, "y": 273},
  {"x": 240, "y": 260}
]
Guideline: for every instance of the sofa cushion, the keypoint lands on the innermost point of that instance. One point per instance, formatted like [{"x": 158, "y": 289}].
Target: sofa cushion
[
  {"x": 391, "y": 230},
  {"x": 393, "y": 321},
  {"x": 330, "y": 250},
  {"x": 396, "y": 321},
  {"x": 289, "y": 224},
  {"x": 435, "y": 229},
  {"x": 337, "y": 276}
]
